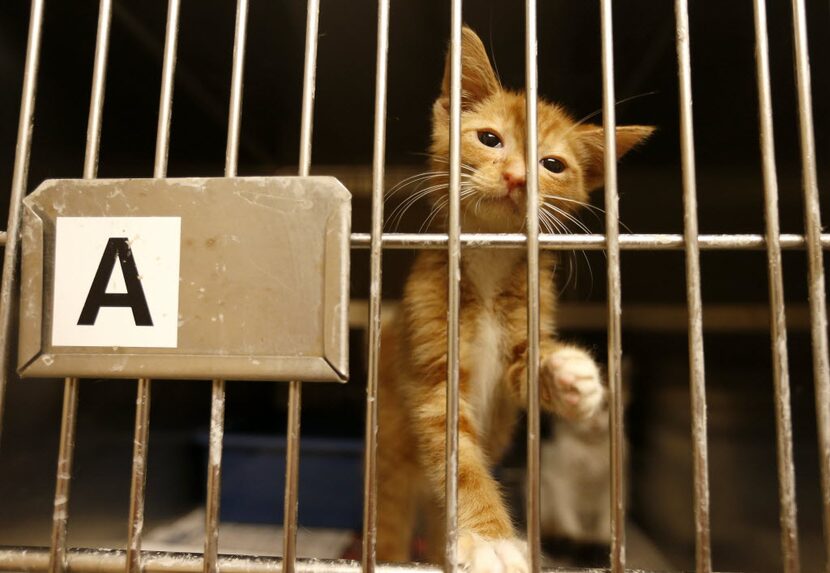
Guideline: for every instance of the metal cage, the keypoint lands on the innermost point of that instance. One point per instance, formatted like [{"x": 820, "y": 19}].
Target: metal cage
[{"x": 59, "y": 557}]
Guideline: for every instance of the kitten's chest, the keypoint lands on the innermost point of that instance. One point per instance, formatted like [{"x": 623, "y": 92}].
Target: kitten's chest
[{"x": 487, "y": 274}]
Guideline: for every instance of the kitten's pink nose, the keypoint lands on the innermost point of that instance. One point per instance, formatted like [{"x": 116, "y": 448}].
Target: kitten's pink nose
[{"x": 514, "y": 178}]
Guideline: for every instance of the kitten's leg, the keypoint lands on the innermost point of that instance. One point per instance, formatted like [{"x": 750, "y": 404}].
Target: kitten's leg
[
  {"x": 486, "y": 538},
  {"x": 435, "y": 525},
  {"x": 399, "y": 476},
  {"x": 570, "y": 383},
  {"x": 397, "y": 483}
]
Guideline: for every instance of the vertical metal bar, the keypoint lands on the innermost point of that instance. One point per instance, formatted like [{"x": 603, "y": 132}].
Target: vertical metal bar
[
  {"x": 612, "y": 229},
  {"x": 135, "y": 519},
  {"x": 378, "y": 164},
  {"x": 217, "y": 430},
  {"x": 292, "y": 463},
  {"x": 812, "y": 224},
  {"x": 309, "y": 79},
  {"x": 532, "y": 186},
  {"x": 135, "y": 523},
  {"x": 292, "y": 452},
  {"x": 696, "y": 364},
  {"x": 778, "y": 324},
  {"x": 453, "y": 290},
  {"x": 60, "y": 515},
  {"x": 217, "y": 411},
  {"x": 57, "y": 561},
  {"x": 99, "y": 77},
  {"x": 20, "y": 178},
  {"x": 235, "y": 112},
  {"x": 168, "y": 71}
]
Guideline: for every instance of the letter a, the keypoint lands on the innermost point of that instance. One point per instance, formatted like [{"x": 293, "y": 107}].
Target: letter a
[{"x": 117, "y": 249}]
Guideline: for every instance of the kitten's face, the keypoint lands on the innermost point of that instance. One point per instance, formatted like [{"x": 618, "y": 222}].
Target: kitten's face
[{"x": 493, "y": 142}]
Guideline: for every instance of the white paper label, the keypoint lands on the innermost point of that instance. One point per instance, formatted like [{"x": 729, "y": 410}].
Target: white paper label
[{"x": 116, "y": 281}]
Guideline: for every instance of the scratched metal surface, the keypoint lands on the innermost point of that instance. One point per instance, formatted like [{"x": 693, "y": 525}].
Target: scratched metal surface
[{"x": 264, "y": 278}]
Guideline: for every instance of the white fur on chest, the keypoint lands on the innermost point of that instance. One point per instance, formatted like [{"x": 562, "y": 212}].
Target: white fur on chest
[
  {"x": 487, "y": 272},
  {"x": 487, "y": 367}
]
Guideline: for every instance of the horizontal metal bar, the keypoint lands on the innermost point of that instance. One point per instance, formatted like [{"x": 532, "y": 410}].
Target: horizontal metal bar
[
  {"x": 593, "y": 242},
  {"x": 641, "y": 317},
  {"x": 35, "y": 560}
]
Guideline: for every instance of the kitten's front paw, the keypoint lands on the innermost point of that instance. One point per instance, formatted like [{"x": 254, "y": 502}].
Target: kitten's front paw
[
  {"x": 477, "y": 554},
  {"x": 571, "y": 384}
]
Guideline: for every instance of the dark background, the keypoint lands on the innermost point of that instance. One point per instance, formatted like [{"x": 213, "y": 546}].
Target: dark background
[{"x": 730, "y": 195}]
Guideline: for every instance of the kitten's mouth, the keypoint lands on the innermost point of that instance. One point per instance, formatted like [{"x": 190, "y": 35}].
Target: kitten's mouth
[{"x": 513, "y": 199}]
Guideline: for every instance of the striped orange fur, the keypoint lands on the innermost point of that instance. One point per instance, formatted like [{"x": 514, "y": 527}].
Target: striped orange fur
[{"x": 493, "y": 324}]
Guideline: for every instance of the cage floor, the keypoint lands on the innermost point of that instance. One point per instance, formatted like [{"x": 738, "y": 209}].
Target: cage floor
[{"x": 186, "y": 534}]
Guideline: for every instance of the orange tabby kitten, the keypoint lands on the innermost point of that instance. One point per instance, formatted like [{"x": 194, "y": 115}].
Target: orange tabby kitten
[{"x": 493, "y": 324}]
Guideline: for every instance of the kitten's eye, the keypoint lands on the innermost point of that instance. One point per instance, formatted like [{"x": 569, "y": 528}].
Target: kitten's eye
[
  {"x": 489, "y": 139},
  {"x": 553, "y": 164}
]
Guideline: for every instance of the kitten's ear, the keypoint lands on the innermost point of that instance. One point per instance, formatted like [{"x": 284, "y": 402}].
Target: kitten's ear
[
  {"x": 592, "y": 138},
  {"x": 478, "y": 80}
]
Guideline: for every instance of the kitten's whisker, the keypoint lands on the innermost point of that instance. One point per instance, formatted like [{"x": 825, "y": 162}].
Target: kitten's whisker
[
  {"x": 582, "y": 251},
  {"x": 574, "y": 201},
  {"x": 572, "y": 259},
  {"x": 413, "y": 179},
  {"x": 441, "y": 203},
  {"x": 398, "y": 212},
  {"x": 416, "y": 177},
  {"x": 592, "y": 209},
  {"x": 562, "y": 229},
  {"x": 446, "y": 161},
  {"x": 436, "y": 209},
  {"x": 571, "y": 218}
]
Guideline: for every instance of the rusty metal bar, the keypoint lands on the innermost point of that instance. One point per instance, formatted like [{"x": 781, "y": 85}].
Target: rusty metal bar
[
  {"x": 135, "y": 522},
  {"x": 375, "y": 294},
  {"x": 778, "y": 320},
  {"x": 612, "y": 224},
  {"x": 453, "y": 290},
  {"x": 696, "y": 363},
  {"x": 217, "y": 410},
  {"x": 812, "y": 224},
  {"x": 532, "y": 187},
  {"x": 628, "y": 241},
  {"x": 20, "y": 177},
  {"x": 66, "y": 450}
]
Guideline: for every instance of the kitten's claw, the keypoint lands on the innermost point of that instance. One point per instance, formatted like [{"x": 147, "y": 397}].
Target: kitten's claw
[
  {"x": 571, "y": 383},
  {"x": 477, "y": 554}
]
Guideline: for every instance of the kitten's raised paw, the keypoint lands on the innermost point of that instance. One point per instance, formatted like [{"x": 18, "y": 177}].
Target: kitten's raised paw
[
  {"x": 571, "y": 384},
  {"x": 477, "y": 554}
]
